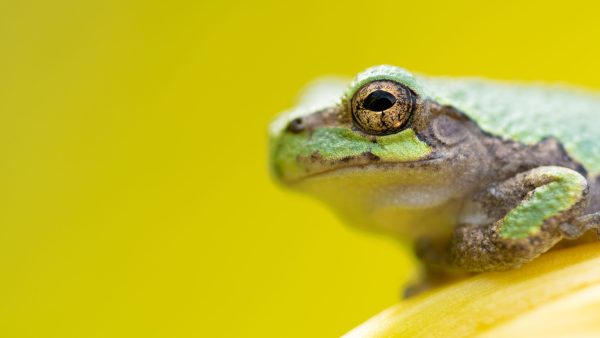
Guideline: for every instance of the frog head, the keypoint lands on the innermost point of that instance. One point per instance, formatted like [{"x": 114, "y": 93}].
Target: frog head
[{"x": 382, "y": 151}]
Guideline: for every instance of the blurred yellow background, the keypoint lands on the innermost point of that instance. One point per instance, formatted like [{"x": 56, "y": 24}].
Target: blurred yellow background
[{"x": 136, "y": 200}]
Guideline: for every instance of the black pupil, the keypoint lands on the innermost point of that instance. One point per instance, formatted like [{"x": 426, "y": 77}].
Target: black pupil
[{"x": 379, "y": 100}]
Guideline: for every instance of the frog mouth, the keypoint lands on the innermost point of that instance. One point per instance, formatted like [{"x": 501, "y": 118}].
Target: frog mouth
[{"x": 348, "y": 167}]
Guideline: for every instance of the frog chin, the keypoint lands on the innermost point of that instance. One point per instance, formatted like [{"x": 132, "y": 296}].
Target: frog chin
[{"x": 403, "y": 200}]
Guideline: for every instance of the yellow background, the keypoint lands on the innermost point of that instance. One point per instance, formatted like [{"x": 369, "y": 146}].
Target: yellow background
[{"x": 135, "y": 196}]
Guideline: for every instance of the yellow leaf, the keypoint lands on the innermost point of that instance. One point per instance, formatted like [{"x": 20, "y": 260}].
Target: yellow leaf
[{"x": 556, "y": 295}]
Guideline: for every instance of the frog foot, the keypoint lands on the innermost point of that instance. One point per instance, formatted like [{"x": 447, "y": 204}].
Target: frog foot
[{"x": 510, "y": 223}]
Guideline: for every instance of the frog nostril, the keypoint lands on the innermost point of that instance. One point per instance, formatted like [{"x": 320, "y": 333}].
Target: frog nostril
[{"x": 296, "y": 125}]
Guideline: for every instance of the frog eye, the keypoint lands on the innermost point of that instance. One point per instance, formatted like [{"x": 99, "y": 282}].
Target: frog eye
[{"x": 382, "y": 107}]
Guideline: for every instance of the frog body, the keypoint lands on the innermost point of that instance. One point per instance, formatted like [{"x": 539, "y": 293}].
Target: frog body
[{"x": 480, "y": 175}]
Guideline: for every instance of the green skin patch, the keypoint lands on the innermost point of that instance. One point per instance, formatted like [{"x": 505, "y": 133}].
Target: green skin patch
[
  {"x": 340, "y": 143},
  {"x": 546, "y": 201}
]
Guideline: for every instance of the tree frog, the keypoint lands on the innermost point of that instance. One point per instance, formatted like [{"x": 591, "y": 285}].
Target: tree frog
[{"x": 479, "y": 175}]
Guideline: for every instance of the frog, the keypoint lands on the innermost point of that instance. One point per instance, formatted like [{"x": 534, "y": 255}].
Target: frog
[{"x": 476, "y": 175}]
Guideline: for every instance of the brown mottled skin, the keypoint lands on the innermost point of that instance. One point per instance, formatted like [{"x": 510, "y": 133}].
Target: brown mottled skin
[
  {"x": 470, "y": 245},
  {"x": 479, "y": 247}
]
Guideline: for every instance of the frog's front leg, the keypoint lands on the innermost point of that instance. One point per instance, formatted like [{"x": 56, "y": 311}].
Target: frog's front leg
[{"x": 512, "y": 222}]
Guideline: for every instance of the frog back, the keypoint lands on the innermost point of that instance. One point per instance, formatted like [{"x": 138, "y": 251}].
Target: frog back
[{"x": 528, "y": 113}]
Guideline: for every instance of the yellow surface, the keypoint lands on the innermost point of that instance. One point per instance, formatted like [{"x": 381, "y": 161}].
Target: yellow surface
[
  {"x": 558, "y": 295},
  {"x": 135, "y": 197}
]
